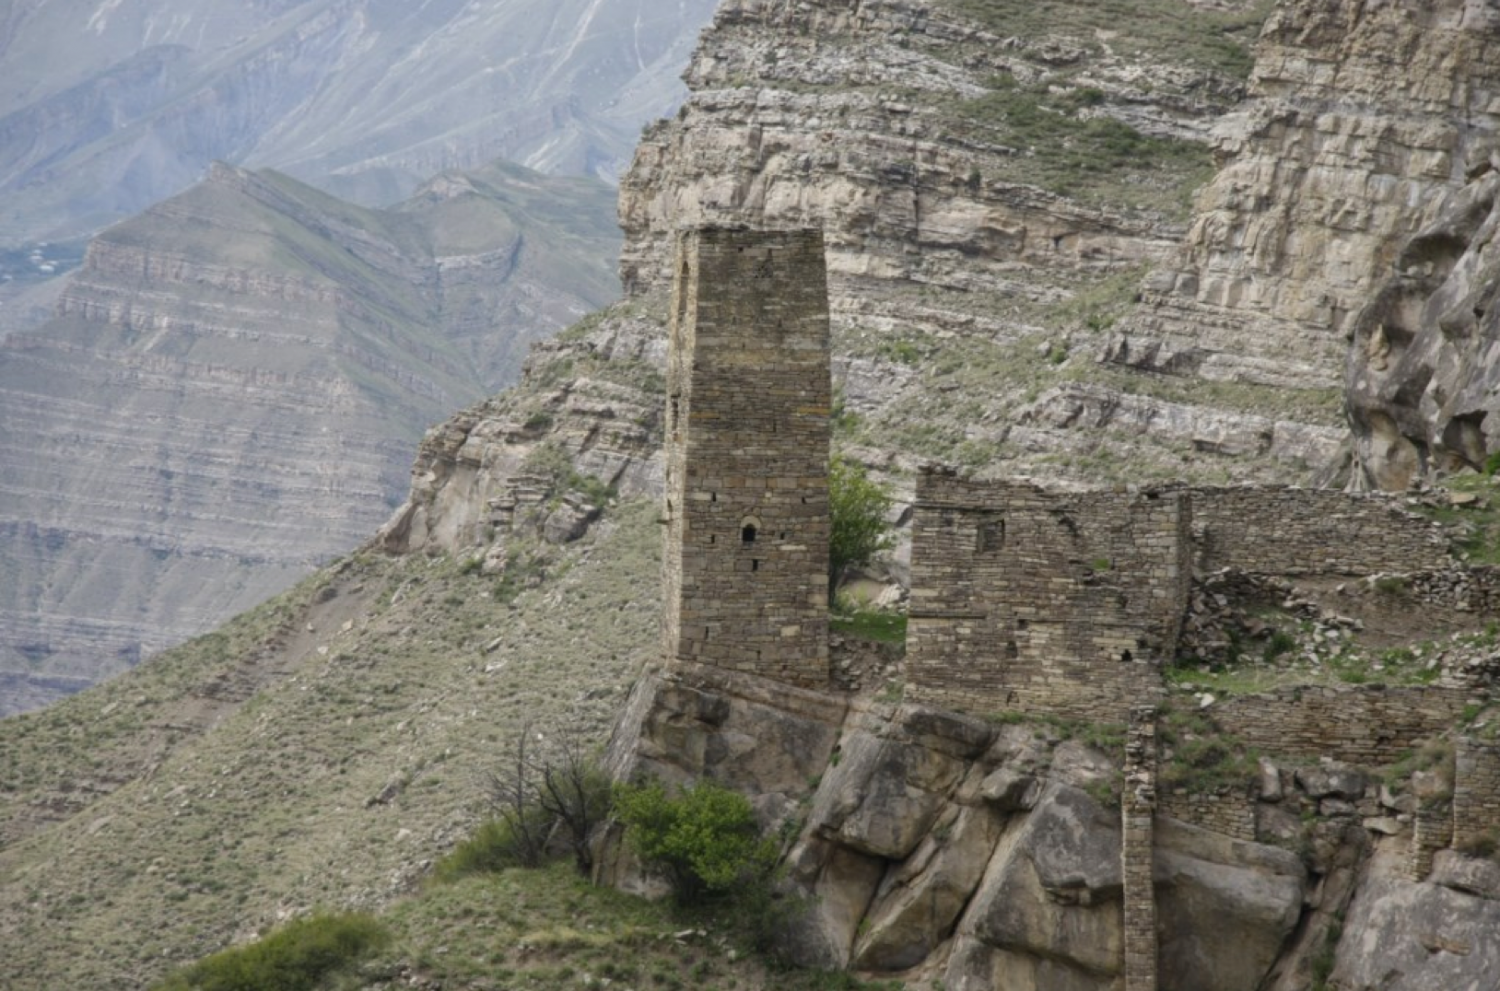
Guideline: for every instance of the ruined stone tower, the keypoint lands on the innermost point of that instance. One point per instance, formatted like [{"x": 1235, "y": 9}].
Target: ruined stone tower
[{"x": 746, "y": 506}]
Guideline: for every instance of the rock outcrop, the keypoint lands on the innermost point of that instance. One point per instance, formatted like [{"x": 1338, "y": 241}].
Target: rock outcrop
[
  {"x": 1422, "y": 375},
  {"x": 909, "y": 132},
  {"x": 1362, "y": 124},
  {"x": 936, "y": 845}
]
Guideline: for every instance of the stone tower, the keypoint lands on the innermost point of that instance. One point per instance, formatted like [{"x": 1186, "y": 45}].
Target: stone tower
[{"x": 748, "y": 396}]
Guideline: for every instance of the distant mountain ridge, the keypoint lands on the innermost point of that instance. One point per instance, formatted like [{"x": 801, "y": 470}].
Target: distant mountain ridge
[
  {"x": 232, "y": 385},
  {"x": 107, "y": 106}
]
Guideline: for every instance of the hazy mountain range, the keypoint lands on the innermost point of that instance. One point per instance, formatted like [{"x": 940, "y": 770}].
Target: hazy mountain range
[{"x": 107, "y": 106}]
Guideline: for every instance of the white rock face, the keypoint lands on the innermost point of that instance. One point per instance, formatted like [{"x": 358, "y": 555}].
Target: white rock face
[{"x": 1334, "y": 161}]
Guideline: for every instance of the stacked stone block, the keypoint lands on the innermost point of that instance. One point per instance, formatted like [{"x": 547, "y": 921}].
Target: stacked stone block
[
  {"x": 1137, "y": 856},
  {"x": 1230, "y": 812},
  {"x": 1289, "y": 531},
  {"x": 1476, "y": 794},
  {"x": 1023, "y": 599},
  {"x": 1367, "y": 724},
  {"x": 746, "y": 502},
  {"x": 1432, "y": 830}
]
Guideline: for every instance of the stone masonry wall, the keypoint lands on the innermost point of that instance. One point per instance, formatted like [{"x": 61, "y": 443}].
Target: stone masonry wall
[
  {"x": 1230, "y": 812},
  {"x": 1138, "y": 851},
  {"x": 746, "y": 505},
  {"x": 1289, "y": 531},
  {"x": 1047, "y": 602},
  {"x": 1368, "y": 725},
  {"x": 1476, "y": 793},
  {"x": 1432, "y": 830}
]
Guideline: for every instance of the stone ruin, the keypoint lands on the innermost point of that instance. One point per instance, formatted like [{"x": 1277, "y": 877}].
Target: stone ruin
[{"x": 1022, "y": 600}]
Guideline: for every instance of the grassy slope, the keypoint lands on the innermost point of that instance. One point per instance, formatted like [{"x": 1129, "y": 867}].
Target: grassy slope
[{"x": 266, "y": 806}]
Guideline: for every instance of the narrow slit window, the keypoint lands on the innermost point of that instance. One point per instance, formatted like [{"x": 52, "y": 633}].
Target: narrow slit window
[{"x": 754, "y": 564}]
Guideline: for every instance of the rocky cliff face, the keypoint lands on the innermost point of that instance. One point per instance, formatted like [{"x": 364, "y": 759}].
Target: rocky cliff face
[
  {"x": 229, "y": 391},
  {"x": 106, "y": 108},
  {"x": 955, "y": 852},
  {"x": 1362, "y": 125},
  {"x": 993, "y": 183},
  {"x": 1421, "y": 367}
]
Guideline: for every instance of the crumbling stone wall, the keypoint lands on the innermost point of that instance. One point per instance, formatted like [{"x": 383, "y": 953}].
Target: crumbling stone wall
[
  {"x": 1231, "y": 811},
  {"x": 746, "y": 504},
  {"x": 1138, "y": 851},
  {"x": 1476, "y": 794},
  {"x": 1432, "y": 830},
  {"x": 1043, "y": 602},
  {"x": 1290, "y": 531},
  {"x": 1367, "y": 724}
]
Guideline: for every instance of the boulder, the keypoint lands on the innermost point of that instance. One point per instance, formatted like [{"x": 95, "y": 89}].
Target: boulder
[
  {"x": 1225, "y": 908},
  {"x": 921, "y": 899},
  {"x": 1053, "y": 888},
  {"x": 1331, "y": 779},
  {"x": 1404, "y": 936},
  {"x": 840, "y": 883},
  {"x": 884, "y": 795}
]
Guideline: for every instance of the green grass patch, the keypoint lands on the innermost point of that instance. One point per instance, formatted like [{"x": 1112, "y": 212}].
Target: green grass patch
[
  {"x": 1215, "y": 41},
  {"x": 870, "y": 624},
  {"x": 299, "y": 956},
  {"x": 1197, "y": 755}
]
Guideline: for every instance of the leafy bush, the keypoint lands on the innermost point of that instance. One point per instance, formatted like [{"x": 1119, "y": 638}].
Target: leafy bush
[
  {"x": 704, "y": 841},
  {"x": 541, "y": 802},
  {"x": 857, "y": 507},
  {"x": 495, "y": 845},
  {"x": 296, "y": 957}
]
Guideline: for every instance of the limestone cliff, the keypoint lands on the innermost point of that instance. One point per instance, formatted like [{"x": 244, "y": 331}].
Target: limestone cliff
[
  {"x": 1362, "y": 124},
  {"x": 1421, "y": 367},
  {"x": 993, "y": 181},
  {"x": 229, "y": 391}
]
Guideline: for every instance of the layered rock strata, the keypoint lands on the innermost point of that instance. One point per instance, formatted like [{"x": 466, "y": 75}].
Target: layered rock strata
[
  {"x": 229, "y": 391},
  {"x": 899, "y": 127},
  {"x": 1362, "y": 124}
]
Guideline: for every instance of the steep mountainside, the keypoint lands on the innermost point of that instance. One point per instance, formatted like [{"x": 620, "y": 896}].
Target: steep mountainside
[
  {"x": 109, "y": 106},
  {"x": 994, "y": 190},
  {"x": 1363, "y": 124},
  {"x": 231, "y": 387},
  {"x": 1002, "y": 184}
]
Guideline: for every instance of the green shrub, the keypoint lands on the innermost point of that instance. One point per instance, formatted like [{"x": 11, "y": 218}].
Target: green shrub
[
  {"x": 495, "y": 845},
  {"x": 296, "y": 957},
  {"x": 857, "y": 507},
  {"x": 704, "y": 841},
  {"x": 1281, "y": 642}
]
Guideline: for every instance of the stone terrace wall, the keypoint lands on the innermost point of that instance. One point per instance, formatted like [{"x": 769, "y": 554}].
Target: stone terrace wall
[
  {"x": 1048, "y": 602},
  {"x": 1231, "y": 812},
  {"x": 1476, "y": 793},
  {"x": 1474, "y": 590},
  {"x": 1288, "y": 531},
  {"x": 1360, "y": 725}
]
